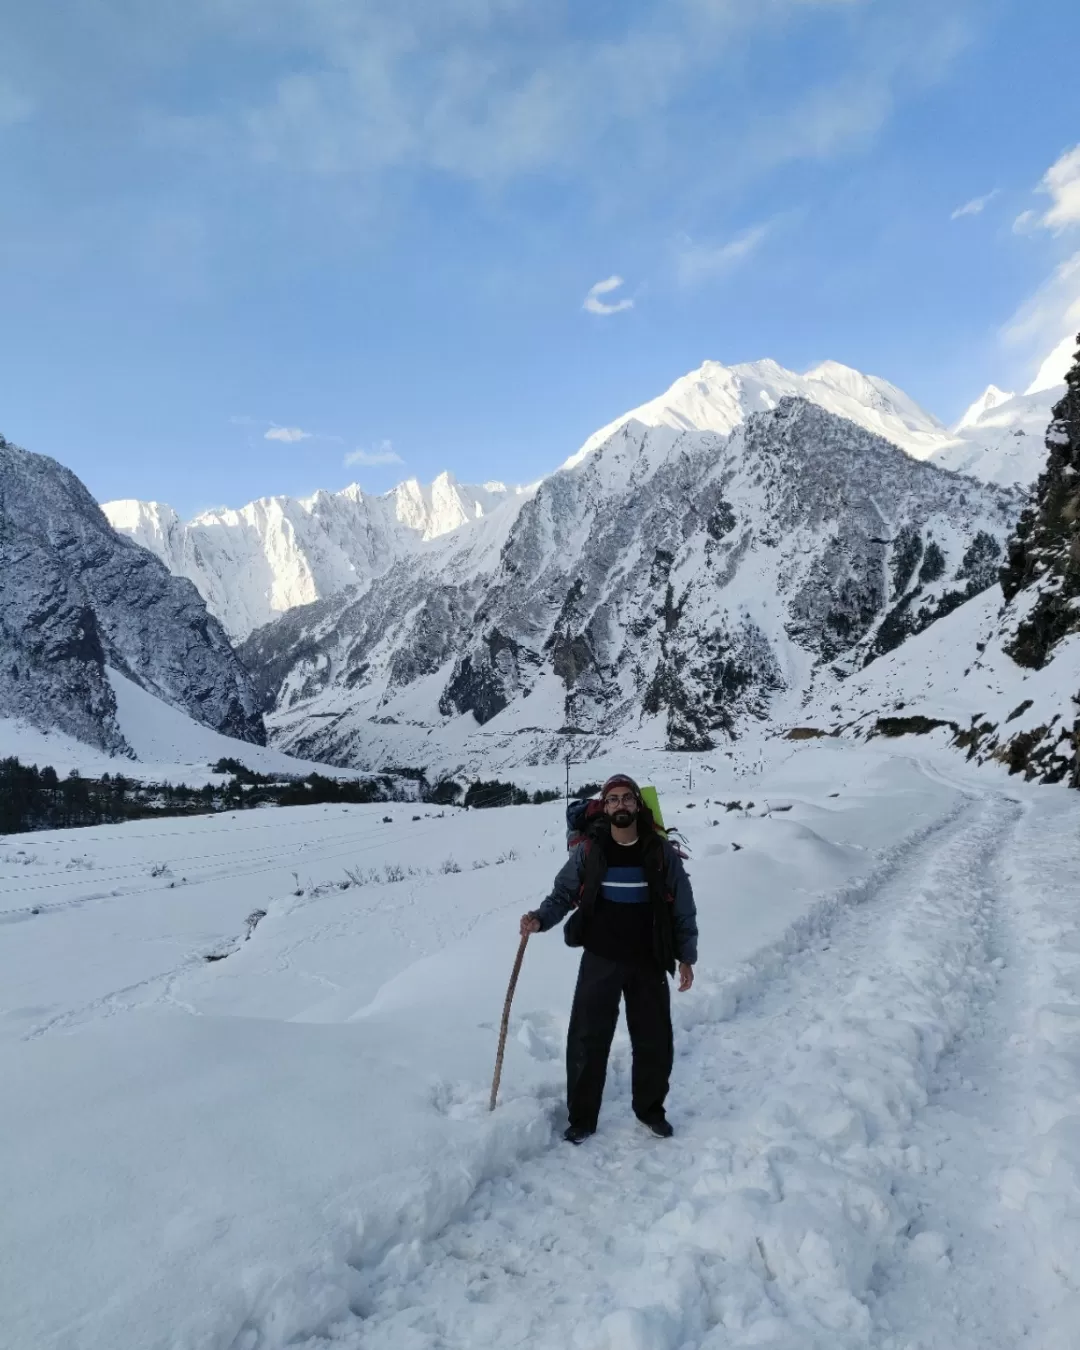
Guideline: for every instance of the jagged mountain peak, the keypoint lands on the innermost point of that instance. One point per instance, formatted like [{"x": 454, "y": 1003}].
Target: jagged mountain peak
[
  {"x": 254, "y": 562},
  {"x": 716, "y": 397},
  {"x": 992, "y": 397},
  {"x": 676, "y": 585}
]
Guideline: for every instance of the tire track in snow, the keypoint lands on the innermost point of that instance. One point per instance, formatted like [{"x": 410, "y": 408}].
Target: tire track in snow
[{"x": 775, "y": 1215}]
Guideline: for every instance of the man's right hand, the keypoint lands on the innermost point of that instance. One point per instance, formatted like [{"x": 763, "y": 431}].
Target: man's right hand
[{"x": 529, "y": 924}]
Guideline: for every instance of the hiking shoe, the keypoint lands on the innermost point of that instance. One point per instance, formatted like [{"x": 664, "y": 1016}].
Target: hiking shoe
[
  {"x": 576, "y": 1134},
  {"x": 660, "y": 1126}
]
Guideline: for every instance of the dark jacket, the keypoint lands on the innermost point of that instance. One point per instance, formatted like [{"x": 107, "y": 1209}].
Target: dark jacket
[{"x": 674, "y": 912}]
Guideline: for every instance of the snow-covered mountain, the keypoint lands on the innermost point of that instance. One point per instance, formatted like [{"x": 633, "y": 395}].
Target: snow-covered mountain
[
  {"x": 1000, "y": 437},
  {"x": 670, "y": 588},
  {"x": 77, "y": 599},
  {"x": 251, "y": 565},
  {"x": 720, "y": 398},
  {"x": 1000, "y": 678}
]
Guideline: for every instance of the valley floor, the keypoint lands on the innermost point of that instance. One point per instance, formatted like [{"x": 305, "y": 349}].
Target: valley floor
[{"x": 876, "y": 1093}]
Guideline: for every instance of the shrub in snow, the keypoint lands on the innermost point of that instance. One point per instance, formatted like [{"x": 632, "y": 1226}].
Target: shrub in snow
[{"x": 449, "y": 865}]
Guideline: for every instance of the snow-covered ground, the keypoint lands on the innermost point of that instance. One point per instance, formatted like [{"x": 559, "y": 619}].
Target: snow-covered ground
[
  {"x": 169, "y": 746},
  {"x": 876, "y": 1094}
]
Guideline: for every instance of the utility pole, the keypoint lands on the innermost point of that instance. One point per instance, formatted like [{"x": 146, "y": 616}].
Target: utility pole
[{"x": 568, "y": 775}]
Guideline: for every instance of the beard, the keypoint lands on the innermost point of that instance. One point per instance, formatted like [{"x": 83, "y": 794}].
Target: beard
[{"x": 623, "y": 818}]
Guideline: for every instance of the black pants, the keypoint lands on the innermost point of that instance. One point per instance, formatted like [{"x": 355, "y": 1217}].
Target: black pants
[{"x": 595, "y": 1012}]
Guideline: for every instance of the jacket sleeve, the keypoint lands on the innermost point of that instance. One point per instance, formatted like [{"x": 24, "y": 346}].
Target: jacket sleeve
[
  {"x": 684, "y": 911},
  {"x": 564, "y": 892}
]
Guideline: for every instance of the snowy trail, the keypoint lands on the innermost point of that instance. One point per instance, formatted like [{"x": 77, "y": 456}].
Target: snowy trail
[{"x": 816, "y": 1179}]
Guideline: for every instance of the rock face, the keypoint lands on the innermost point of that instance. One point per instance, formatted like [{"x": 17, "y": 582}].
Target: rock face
[
  {"x": 76, "y": 597},
  {"x": 253, "y": 564},
  {"x": 999, "y": 681},
  {"x": 1044, "y": 553},
  {"x": 677, "y": 585}
]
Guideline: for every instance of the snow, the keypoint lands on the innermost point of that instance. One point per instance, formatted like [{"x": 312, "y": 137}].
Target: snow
[
  {"x": 1002, "y": 437},
  {"x": 992, "y": 397},
  {"x": 168, "y": 745},
  {"x": 719, "y": 398},
  {"x": 1053, "y": 370},
  {"x": 252, "y": 564},
  {"x": 875, "y": 1093}
]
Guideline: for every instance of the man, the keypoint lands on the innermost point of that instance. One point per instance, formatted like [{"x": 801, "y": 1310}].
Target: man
[{"x": 635, "y": 917}]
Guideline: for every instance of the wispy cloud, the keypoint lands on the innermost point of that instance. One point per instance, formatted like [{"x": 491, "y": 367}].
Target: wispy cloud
[
  {"x": 696, "y": 263},
  {"x": 975, "y": 207},
  {"x": 288, "y": 434},
  {"x": 384, "y": 453},
  {"x": 486, "y": 90},
  {"x": 1061, "y": 183},
  {"x": 15, "y": 107},
  {"x": 1049, "y": 316},
  {"x": 593, "y": 303}
]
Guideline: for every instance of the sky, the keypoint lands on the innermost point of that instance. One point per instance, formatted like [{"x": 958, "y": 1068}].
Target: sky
[{"x": 267, "y": 246}]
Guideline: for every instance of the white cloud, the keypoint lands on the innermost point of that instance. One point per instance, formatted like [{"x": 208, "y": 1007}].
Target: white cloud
[
  {"x": 595, "y": 305},
  {"x": 489, "y": 89},
  {"x": 1045, "y": 322},
  {"x": 1056, "y": 366},
  {"x": 696, "y": 263},
  {"x": 974, "y": 207},
  {"x": 1062, "y": 183},
  {"x": 384, "y": 453},
  {"x": 289, "y": 434},
  {"x": 1025, "y": 222}
]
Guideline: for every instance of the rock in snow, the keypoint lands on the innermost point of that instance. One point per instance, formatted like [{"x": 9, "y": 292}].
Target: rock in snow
[{"x": 78, "y": 597}]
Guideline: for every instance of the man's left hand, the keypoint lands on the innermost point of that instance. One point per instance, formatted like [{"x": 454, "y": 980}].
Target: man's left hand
[{"x": 686, "y": 976}]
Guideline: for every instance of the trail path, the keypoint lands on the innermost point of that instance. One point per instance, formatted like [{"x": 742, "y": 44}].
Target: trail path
[{"x": 847, "y": 1106}]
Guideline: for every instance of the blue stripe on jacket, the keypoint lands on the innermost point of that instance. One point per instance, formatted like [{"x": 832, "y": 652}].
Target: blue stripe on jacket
[{"x": 625, "y": 885}]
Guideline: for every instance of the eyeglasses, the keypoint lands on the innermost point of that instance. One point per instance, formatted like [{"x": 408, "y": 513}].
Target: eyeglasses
[{"x": 623, "y": 799}]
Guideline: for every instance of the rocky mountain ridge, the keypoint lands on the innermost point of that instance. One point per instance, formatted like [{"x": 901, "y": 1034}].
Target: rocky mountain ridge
[
  {"x": 77, "y": 598},
  {"x": 676, "y": 586},
  {"x": 253, "y": 564}
]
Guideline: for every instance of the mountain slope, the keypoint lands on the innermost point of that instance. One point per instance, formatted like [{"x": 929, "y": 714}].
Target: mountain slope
[
  {"x": 673, "y": 586},
  {"x": 252, "y": 564},
  {"x": 1000, "y": 437},
  {"x": 999, "y": 679},
  {"x": 76, "y": 597}
]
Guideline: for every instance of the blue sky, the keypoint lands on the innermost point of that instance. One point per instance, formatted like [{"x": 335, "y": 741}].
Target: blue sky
[{"x": 369, "y": 228}]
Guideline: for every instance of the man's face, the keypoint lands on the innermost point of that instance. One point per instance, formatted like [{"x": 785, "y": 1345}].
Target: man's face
[{"x": 620, "y": 807}]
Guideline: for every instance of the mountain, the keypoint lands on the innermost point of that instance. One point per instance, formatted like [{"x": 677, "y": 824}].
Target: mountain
[
  {"x": 992, "y": 397},
  {"x": 1000, "y": 437},
  {"x": 252, "y": 564},
  {"x": 77, "y": 599},
  {"x": 668, "y": 588},
  {"x": 999, "y": 678},
  {"x": 720, "y": 398}
]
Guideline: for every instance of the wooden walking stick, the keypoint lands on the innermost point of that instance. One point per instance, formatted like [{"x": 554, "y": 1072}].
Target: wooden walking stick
[{"x": 506, "y": 1019}]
